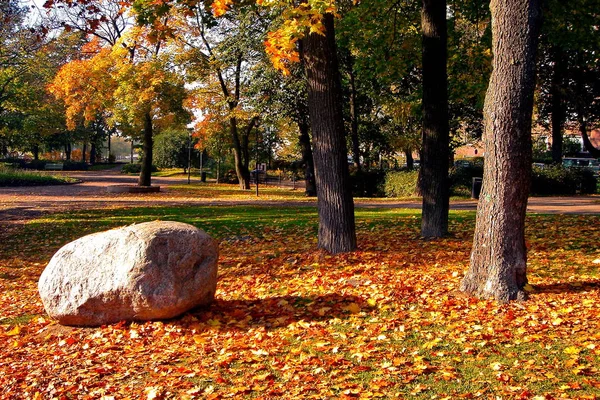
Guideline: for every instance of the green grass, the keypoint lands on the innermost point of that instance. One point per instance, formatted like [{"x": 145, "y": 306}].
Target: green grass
[{"x": 16, "y": 177}]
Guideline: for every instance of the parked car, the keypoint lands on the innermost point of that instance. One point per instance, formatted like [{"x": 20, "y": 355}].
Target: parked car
[{"x": 575, "y": 162}]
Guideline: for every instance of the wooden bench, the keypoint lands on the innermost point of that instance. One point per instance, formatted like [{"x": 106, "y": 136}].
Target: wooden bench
[{"x": 54, "y": 166}]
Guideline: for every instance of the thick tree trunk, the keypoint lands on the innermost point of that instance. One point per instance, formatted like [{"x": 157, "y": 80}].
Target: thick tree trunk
[
  {"x": 558, "y": 105},
  {"x": 146, "y": 171},
  {"x": 334, "y": 196},
  {"x": 499, "y": 259},
  {"x": 307, "y": 158},
  {"x": 436, "y": 139}
]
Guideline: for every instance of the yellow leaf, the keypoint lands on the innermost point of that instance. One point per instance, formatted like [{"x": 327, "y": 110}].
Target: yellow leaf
[
  {"x": 372, "y": 302},
  {"x": 14, "y": 331},
  {"x": 572, "y": 350},
  {"x": 528, "y": 288}
]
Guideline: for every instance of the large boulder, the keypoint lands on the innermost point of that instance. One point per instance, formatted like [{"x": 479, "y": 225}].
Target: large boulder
[{"x": 149, "y": 271}]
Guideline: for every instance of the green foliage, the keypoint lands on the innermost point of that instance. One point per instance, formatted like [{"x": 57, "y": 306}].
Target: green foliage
[
  {"x": 36, "y": 164},
  {"x": 135, "y": 168},
  {"x": 171, "y": 149},
  {"x": 74, "y": 166},
  {"x": 229, "y": 177},
  {"x": 462, "y": 174},
  {"x": 368, "y": 183},
  {"x": 558, "y": 180},
  {"x": 401, "y": 183},
  {"x": 15, "y": 177}
]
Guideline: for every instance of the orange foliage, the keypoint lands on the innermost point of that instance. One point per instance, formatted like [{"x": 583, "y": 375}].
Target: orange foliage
[{"x": 386, "y": 321}]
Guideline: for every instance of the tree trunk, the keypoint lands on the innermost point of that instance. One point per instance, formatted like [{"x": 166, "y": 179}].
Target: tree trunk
[
  {"x": 558, "y": 105},
  {"x": 410, "y": 161},
  {"x": 354, "y": 123},
  {"x": 36, "y": 152},
  {"x": 93, "y": 153},
  {"x": 307, "y": 158},
  {"x": 499, "y": 259},
  {"x": 108, "y": 145},
  {"x": 146, "y": 171},
  {"x": 587, "y": 143},
  {"x": 581, "y": 109},
  {"x": 68, "y": 151},
  {"x": 241, "y": 162},
  {"x": 436, "y": 139},
  {"x": 83, "y": 153},
  {"x": 334, "y": 196}
]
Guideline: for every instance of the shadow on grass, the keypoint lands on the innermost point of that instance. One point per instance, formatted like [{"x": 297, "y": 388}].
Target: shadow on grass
[
  {"x": 568, "y": 287},
  {"x": 276, "y": 312}
]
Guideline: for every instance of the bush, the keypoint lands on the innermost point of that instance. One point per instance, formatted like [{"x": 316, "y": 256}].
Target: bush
[
  {"x": 74, "y": 166},
  {"x": 15, "y": 177},
  {"x": 462, "y": 174},
  {"x": 368, "y": 183},
  {"x": 135, "y": 168},
  {"x": 229, "y": 177},
  {"x": 14, "y": 162},
  {"x": 401, "y": 183},
  {"x": 35, "y": 164},
  {"x": 558, "y": 180}
]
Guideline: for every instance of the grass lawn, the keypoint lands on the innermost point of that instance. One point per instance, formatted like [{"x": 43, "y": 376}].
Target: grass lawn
[{"x": 289, "y": 321}]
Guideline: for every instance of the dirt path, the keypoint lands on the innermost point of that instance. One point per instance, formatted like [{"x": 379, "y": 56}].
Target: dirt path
[{"x": 18, "y": 205}]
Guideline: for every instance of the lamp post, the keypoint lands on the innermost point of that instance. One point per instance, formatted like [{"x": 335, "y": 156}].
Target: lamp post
[{"x": 189, "y": 155}]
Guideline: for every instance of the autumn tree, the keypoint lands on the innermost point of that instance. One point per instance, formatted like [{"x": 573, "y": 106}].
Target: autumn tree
[
  {"x": 285, "y": 96},
  {"x": 435, "y": 153},
  {"x": 134, "y": 82},
  {"x": 568, "y": 89},
  {"x": 218, "y": 55},
  {"x": 499, "y": 259}
]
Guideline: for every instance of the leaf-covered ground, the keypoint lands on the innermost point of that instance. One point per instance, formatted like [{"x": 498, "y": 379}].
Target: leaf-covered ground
[{"x": 291, "y": 322}]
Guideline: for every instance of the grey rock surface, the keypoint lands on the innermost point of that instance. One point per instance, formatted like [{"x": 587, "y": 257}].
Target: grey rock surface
[{"x": 154, "y": 270}]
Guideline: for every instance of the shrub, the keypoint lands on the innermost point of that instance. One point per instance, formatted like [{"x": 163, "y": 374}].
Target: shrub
[
  {"x": 74, "y": 166},
  {"x": 229, "y": 177},
  {"x": 16, "y": 177},
  {"x": 462, "y": 174},
  {"x": 14, "y": 162},
  {"x": 368, "y": 183},
  {"x": 135, "y": 168},
  {"x": 401, "y": 183},
  {"x": 558, "y": 180},
  {"x": 35, "y": 164}
]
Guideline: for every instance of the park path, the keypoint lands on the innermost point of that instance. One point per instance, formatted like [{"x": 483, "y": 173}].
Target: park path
[{"x": 23, "y": 203}]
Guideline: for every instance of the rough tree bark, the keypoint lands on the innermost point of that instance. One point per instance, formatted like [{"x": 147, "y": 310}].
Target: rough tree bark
[
  {"x": 436, "y": 140},
  {"x": 337, "y": 231},
  {"x": 499, "y": 259},
  {"x": 147, "y": 142}
]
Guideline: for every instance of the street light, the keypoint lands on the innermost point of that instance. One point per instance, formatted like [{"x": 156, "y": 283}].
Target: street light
[{"x": 189, "y": 155}]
